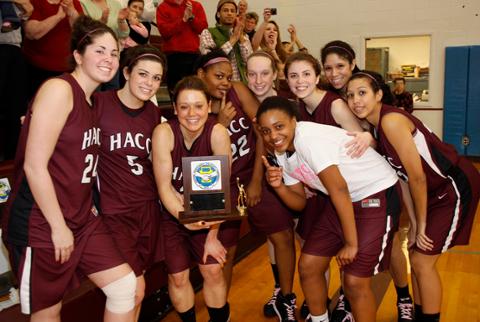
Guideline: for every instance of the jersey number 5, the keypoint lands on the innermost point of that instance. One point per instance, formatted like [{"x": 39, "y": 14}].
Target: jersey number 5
[{"x": 136, "y": 168}]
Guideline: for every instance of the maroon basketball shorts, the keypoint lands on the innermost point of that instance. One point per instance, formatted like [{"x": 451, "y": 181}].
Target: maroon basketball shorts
[
  {"x": 137, "y": 235},
  {"x": 184, "y": 248},
  {"x": 270, "y": 215},
  {"x": 375, "y": 219},
  {"x": 44, "y": 282},
  {"x": 310, "y": 214},
  {"x": 451, "y": 209}
]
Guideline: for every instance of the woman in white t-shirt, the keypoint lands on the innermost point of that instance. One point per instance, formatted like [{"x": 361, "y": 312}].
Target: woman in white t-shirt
[{"x": 358, "y": 221}]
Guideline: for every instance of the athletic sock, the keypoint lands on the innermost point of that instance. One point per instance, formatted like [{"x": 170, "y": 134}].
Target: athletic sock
[
  {"x": 418, "y": 312},
  {"x": 276, "y": 276},
  {"x": 319, "y": 318},
  {"x": 221, "y": 314},
  {"x": 188, "y": 316},
  {"x": 430, "y": 317},
  {"x": 402, "y": 292}
]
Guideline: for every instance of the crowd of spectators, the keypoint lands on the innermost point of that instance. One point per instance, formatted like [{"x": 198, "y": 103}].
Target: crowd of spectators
[{"x": 41, "y": 50}]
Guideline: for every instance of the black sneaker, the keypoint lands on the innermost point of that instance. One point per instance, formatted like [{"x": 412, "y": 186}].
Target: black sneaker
[
  {"x": 405, "y": 310},
  {"x": 342, "y": 311},
  {"x": 304, "y": 311},
  {"x": 269, "y": 307},
  {"x": 285, "y": 307}
]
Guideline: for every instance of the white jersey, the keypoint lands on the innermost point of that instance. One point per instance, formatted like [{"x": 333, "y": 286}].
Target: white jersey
[{"x": 318, "y": 146}]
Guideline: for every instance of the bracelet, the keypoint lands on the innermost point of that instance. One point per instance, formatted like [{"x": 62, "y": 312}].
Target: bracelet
[
  {"x": 191, "y": 18},
  {"x": 122, "y": 21}
]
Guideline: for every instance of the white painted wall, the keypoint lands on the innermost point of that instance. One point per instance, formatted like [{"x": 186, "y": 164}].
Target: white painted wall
[{"x": 449, "y": 22}]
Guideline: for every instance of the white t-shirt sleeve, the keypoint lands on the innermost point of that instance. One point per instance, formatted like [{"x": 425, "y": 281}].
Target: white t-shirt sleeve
[{"x": 318, "y": 155}]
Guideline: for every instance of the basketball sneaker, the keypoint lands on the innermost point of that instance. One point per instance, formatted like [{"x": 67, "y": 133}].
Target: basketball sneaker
[
  {"x": 342, "y": 311},
  {"x": 269, "y": 307},
  {"x": 405, "y": 309},
  {"x": 285, "y": 307}
]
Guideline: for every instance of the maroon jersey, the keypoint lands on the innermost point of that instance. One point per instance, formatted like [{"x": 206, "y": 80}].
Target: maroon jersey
[
  {"x": 323, "y": 113},
  {"x": 125, "y": 173},
  {"x": 438, "y": 158},
  {"x": 201, "y": 147},
  {"x": 72, "y": 168},
  {"x": 243, "y": 141}
]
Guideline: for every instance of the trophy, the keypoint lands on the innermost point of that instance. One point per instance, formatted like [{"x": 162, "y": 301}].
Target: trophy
[
  {"x": 206, "y": 190},
  {"x": 242, "y": 199}
]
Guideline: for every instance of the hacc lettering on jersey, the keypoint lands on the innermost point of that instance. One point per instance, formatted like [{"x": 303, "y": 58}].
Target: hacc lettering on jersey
[
  {"x": 91, "y": 137},
  {"x": 130, "y": 141},
  {"x": 233, "y": 129},
  {"x": 177, "y": 175}
]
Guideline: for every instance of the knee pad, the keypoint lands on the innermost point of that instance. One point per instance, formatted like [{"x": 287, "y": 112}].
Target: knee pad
[{"x": 121, "y": 294}]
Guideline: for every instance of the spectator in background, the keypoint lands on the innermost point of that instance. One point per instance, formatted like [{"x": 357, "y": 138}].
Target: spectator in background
[
  {"x": 228, "y": 35},
  {"x": 242, "y": 8},
  {"x": 289, "y": 46},
  {"x": 139, "y": 30},
  {"x": 180, "y": 22},
  {"x": 47, "y": 38},
  {"x": 149, "y": 9},
  {"x": 109, "y": 12},
  {"x": 10, "y": 19},
  {"x": 403, "y": 99},
  {"x": 13, "y": 78},
  {"x": 267, "y": 38},
  {"x": 251, "y": 21}
]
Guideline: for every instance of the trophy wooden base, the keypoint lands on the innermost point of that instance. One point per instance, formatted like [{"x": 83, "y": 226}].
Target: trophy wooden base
[{"x": 188, "y": 218}]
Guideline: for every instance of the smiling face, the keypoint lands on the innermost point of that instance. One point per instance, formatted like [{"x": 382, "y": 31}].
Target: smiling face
[
  {"x": 192, "y": 110},
  {"x": 227, "y": 14},
  {"x": 100, "y": 59},
  {"x": 338, "y": 70},
  {"x": 361, "y": 98},
  {"x": 144, "y": 79},
  {"x": 260, "y": 76},
  {"x": 302, "y": 79},
  {"x": 218, "y": 78},
  {"x": 277, "y": 129}
]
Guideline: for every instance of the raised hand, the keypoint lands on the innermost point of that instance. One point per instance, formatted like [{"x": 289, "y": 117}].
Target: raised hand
[
  {"x": 266, "y": 14},
  {"x": 226, "y": 113},
  {"x": 188, "y": 13},
  {"x": 122, "y": 14},
  {"x": 274, "y": 175},
  {"x": 105, "y": 14}
]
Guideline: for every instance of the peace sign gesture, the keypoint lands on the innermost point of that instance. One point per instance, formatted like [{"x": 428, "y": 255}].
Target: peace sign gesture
[
  {"x": 274, "y": 175},
  {"x": 227, "y": 112}
]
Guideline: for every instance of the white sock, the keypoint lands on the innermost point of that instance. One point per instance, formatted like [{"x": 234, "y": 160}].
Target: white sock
[{"x": 320, "y": 318}]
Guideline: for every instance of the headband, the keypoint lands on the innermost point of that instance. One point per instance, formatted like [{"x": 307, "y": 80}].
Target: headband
[
  {"x": 370, "y": 76},
  {"x": 352, "y": 55},
  {"x": 144, "y": 55},
  {"x": 216, "y": 60},
  {"x": 88, "y": 34}
]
